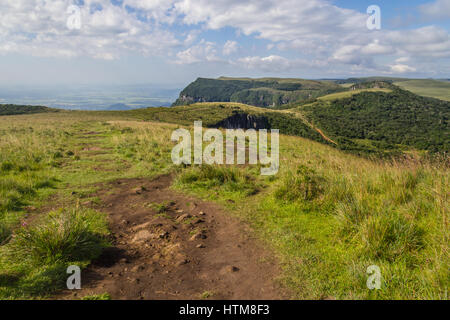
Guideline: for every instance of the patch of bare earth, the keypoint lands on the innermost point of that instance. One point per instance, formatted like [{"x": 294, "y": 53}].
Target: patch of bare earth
[{"x": 170, "y": 246}]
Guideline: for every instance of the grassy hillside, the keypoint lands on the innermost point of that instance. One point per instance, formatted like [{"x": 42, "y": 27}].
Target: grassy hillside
[
  {"x": 427, "y": 88},
  {"x": 265, "y": 92},
  {"x": 382, "y": 120},
  {"x": 347, "y": 94},
  {"x": 12, "y": 109},
  {"x": 327, "y": 215}
]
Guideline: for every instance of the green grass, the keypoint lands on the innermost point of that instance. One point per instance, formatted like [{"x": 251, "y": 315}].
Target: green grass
[
  {"x": 34, "y": 262},
  {"x": 62, "y": 158},
  {"x": 103, "y": 296},
  {"x": 63, "y": 235},
  {"x": 225, "y": 181},
  {"x": 327, "y": 215},
  {"x": 427, "y": 88}
]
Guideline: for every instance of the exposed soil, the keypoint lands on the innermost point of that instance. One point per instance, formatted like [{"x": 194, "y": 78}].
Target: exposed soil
[{"x": 170, "y": 246}]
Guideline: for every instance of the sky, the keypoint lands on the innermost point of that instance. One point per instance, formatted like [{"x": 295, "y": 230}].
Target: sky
[{"x": 172, "y": 42}]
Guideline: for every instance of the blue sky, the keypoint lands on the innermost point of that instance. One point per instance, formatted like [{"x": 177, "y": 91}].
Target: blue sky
[{"x": 175, "y": 41}]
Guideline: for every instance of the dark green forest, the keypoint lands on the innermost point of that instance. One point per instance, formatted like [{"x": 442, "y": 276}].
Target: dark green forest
[
  {"x": 388, "y": 119},
  {"x": 12, "y": 109},
  {"x": 257, "y": 92}
]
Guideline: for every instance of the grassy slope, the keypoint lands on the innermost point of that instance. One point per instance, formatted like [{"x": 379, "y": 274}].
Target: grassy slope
[
  {"x": 427, "y": 88},
  {"x": 363, "y": 122},
  {"x": 294, "y": 121},
  {"x": 57, "y": 161},
  {"x": 328, "y": 215}
]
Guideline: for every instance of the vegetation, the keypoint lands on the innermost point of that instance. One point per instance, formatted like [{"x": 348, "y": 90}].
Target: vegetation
[
  {"x": 267, "y": 92},
  {"x": 373, "y": 116},
  {"x": 11, "y": 109},
  {"x": 59, "y": 159},
  {"x": 327, "y": 215}
]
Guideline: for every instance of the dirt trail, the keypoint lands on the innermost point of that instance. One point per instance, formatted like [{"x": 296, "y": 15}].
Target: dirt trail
[
  {"x": 182, "y": 248},
  {"x": 303, "y": 118}
]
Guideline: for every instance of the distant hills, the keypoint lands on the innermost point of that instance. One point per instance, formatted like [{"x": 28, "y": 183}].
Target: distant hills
[
  {"x": 376, "y": 116},
  {"x": 361, "y": 115},
  {"x": 285, "y": 92},
  {"x": 263, "y": 92},
  {"x": 118, "y": 107},
  {"x": 12, "y": 109}
]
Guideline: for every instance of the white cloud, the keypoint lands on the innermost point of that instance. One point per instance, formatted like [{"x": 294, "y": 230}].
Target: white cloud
[
  {"x": 401, "y": 68},
  {"x": 314, "y": 30},
  {"x": 39, "y": 28},
  {"x": 439, "y": 9},
  {"x": 230, "y": 47},
  {"x": 272, "y": 63},
  {"x": 204, "y": 51}
]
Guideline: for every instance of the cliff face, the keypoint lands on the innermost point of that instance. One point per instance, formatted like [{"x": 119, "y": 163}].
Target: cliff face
[{"x": 244, "y": 121}]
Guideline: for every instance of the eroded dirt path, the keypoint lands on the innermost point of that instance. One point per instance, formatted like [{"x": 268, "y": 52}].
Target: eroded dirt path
[{"x": 171, "y": 246}]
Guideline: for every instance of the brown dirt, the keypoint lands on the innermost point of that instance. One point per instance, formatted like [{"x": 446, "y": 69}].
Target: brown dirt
[{"x": 182, "y": 249}]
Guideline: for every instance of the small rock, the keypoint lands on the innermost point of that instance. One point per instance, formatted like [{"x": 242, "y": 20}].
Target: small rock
[
  {"x": 156, "y": 257},
  {"x": 143, "y": 235},
  {"x": 139, "y": 190},
  {"x": 164, "y": 235},
  {"x": 202, "y": 213},
  {"x": 182, "y": 262},
  {"x": 183, "y": 217},
  {"x": 200, "y": 246},
  {"x": 140, "y": 226},
  {"x": 198, "y": 235},
  {"x": 123, "y": 260},
  {"x": 137, "y": 268},
  {"x": 228, "y": 269},
  {"x": 193, "y": 205}
]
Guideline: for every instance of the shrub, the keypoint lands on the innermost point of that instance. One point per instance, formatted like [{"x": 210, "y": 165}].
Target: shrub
[
  {"x": 304, "y": 185},
  {"x": 64, "y": 235}
]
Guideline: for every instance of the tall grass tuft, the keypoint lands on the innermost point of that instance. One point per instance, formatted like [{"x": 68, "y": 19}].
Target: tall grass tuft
[
  {"x": 305, "y": 184},
  {"x": 209, "y": 176},
  {"x": 391, "y": 237},
  {"x": 62, "y": 236}
]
